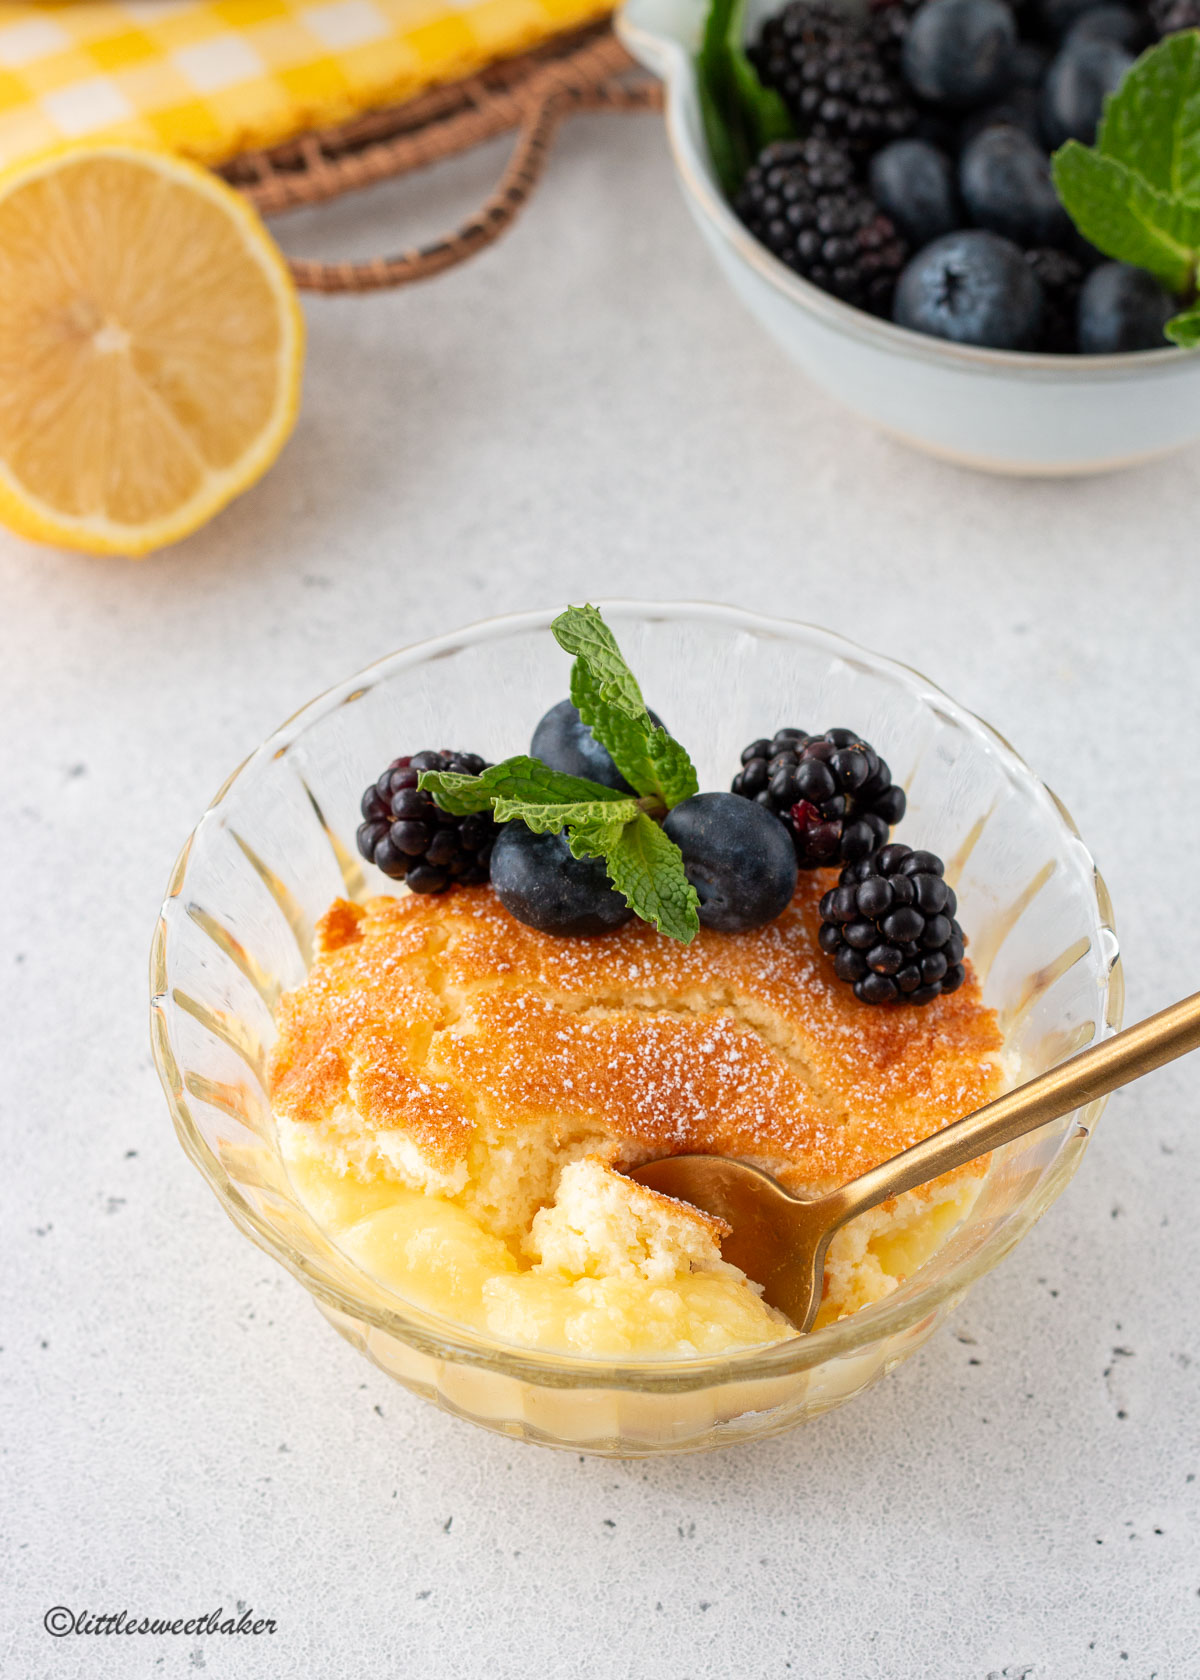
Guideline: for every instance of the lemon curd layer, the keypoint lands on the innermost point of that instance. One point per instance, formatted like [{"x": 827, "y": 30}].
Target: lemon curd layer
[{"x": 456, "y": 1096}]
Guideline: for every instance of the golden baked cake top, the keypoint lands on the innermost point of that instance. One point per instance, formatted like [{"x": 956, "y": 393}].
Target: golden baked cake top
[{"x": 435, "y": 1016}]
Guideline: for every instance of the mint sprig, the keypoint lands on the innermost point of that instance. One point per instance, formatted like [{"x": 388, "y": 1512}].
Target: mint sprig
[
  {"x": 740, "y": 115},
  {"x": 609, "y": 701},
  {"x": 1136, "y": 194},
  {"x": 643, "y": 864}
]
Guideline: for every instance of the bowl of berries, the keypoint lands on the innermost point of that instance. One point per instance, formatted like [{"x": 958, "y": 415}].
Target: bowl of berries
[
  {"x": 976, "y": 223},
  {"x": 422, "y": 1014}
]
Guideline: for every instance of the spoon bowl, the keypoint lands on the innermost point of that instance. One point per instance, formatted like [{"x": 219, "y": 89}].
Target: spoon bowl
[{"x": 777, "y": 1239}]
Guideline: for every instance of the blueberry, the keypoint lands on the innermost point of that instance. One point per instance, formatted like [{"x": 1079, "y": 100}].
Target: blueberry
[
  {"x": 959, "y": 52},
  {"x": 564, "y": 742},
  {"x": 738, "y": 856},
  {"x": 541, "y": 884},
  {"x": 1129, "y": 29},
  {"x": 1122, "y": 308},
  {"x": 1076, "y": 85},
  {"x": 1006, "y": 186},
  {"x": 913, "y": 183},
  {"x": 972, "y": 288}
]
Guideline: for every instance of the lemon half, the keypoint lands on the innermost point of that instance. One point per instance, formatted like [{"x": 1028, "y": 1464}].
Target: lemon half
[{"x": 151, "y": 348}]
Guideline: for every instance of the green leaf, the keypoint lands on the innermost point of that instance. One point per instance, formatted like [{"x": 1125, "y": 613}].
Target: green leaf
[
  {"x": 712, "y": 59},
  {"x": 595, "y": 839},
  {"x": 646, "y": 868},
  {"x": 727, "y": 155},
  {"x": 1152, "y": 123},
  {"x": 458, "y": 794},
  {"x": 551, "y": 819},
  {"x": 675, "y": 774},
  {"x": 740, "y": 115},
  {"x": 764, "y": 116},
  {"x": 1114, "y": 208},
  {"x": 718, "y": 108},
  {"x": 653, "y": 764},
  {"x": 625, "y": 737},
  {"x": 581, "y": 631},
  {"x": 1184, "y": 329},
  {"x": 524, "y": 779},
  {"x": 651, "y": 761}
]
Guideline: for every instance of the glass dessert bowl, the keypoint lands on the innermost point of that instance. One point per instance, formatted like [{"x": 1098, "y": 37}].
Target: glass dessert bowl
[{"x": 277, "y": 846}]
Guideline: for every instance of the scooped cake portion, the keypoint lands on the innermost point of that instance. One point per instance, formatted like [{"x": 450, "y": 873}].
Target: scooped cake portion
[{"x": 457, "y": 1094}]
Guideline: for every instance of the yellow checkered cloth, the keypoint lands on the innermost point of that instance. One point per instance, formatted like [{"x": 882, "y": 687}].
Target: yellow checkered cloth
[{"x": 211, "y": 78}]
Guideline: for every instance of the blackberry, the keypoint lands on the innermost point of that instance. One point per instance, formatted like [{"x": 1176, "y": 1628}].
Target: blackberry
[
  {"x": 833, "y": 792},
  {"x": 887, "y": 25},
  {"x": 889, "y": 927},
  {"x": 1170, "y": 16},
  {"x": 1061, "y": 277},
  {"x": 831, "y": 76},
  {"x": 801, "y": 201},
  {"x": 410, "y": 838}
]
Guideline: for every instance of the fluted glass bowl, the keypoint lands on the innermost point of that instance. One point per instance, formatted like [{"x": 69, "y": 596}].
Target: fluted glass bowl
[{"x": 277, "y": 845}]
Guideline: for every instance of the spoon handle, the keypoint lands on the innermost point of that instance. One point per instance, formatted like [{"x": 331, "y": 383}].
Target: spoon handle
[{"x": 1081, "y": 1079}]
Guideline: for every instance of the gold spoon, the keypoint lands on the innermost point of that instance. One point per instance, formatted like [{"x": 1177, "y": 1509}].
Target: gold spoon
[{"x": 780, "y": 1240}]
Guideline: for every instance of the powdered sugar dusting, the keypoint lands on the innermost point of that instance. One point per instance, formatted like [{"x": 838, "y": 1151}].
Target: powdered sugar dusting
[{"x": 742, "y": 1044}]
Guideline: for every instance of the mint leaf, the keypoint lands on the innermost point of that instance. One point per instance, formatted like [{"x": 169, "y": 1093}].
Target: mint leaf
[
  {"x": 604, "y": 691},
  {"x": 458, "y": 794},
  {"x": 1136, "y": 194},
  {"x": 723, "y": 128},
  {"x": 646, "y": 868},
  {"x": 674, "y": 773},
  {"x": 523, "y": 779},
  {"x": 1152, "y": 123},
  {"x": 624, "y": 736},
  {"x": 552, "y": 819},
  {"x": 1113, "y": 207},
  {"x": 1179, "y": 221},
  {"x": 594, "y": 839},
  {"x": 763, "y": 113},
  {"x": 740, "y": 115},
  {"x": 581, "y": 631},
  {"x": 653, "y": 763},
  {"x": 1184, "y": 329}
]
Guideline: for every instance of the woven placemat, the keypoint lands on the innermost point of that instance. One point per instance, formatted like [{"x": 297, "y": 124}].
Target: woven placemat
[{"x": 586, "y": 70}]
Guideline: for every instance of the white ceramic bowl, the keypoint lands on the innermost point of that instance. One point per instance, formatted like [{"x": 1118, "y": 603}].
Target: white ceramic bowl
[{"x": 999, "y": 410}]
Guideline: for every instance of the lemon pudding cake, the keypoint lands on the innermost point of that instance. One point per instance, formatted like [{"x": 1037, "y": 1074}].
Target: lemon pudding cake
[
  {"x": 592, "y": 964},
  {"x": 454, "y": 1092}
]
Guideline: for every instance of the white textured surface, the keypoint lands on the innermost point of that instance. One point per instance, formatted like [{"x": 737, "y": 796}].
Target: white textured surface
[{"x": 582, "y": 412}]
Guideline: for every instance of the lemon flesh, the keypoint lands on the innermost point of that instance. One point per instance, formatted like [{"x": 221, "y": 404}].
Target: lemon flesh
[{"x": 151, "y": 348}]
